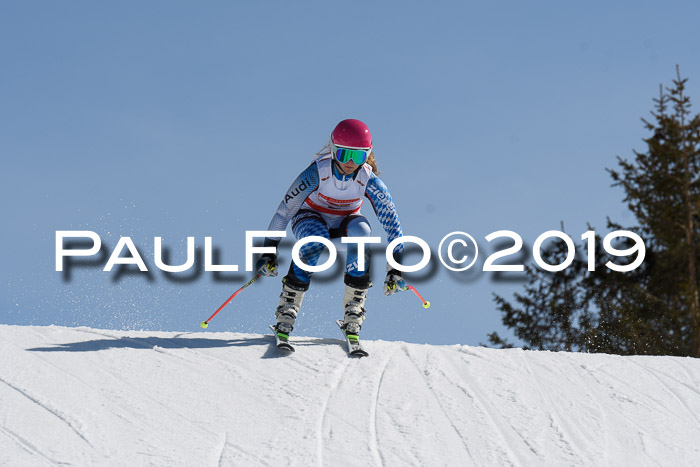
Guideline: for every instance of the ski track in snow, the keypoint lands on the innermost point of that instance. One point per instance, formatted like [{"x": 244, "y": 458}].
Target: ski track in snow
[
  {"x": 603, "y": 423},
  {"x": 27, "y": 446},
  {"x": 613, "y": 397},
  {"x": 500, "y": 427},
  {"x": 337, "y": 377},
  {"x": 48, "y": 407},
  {"x": 569, "y": 442},
  {"x": 136, "y": 391},
  {"x": 72, "y": 424},
  {"x": 424, "y": 375},
  {"x": 163, "y": 398},
  {"x": 374, "y": 439},
  {"x": 671, "y": 391}
]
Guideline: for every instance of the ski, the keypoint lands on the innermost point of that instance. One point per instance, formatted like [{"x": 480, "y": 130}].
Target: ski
[
  {"x": 354, "y": 347},
  {"x": 282, "y": 340}
]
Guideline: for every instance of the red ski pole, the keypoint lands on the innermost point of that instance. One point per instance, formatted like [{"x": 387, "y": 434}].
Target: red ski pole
[
  {"x": 204, "y": 324},
  {"x": 402, "y": 284}
]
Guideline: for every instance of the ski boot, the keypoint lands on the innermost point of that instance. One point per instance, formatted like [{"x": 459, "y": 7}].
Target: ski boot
[
  {"x": 290, "y": 302},
  {"x": 353, "y": 305},
  {"x": 354, "y": 302}
]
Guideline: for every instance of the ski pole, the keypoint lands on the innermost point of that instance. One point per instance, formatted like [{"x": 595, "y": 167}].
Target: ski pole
[
  {"x": 204, "y": 324},
  {"x": 403, "y": 286}
]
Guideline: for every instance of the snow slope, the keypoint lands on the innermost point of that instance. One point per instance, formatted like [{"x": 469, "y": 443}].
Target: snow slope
[{"x": 91, "y": 397}]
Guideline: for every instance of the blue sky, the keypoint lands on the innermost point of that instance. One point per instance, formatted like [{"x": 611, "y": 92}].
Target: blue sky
[{"x": 173, "y": 119}]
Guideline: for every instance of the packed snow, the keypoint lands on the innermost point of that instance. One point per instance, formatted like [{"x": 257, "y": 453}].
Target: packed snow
[{"x": 84, "y": 396}]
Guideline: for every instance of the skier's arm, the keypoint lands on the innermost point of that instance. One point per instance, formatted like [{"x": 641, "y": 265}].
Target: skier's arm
[
  {"x": 384, "y": 208},
  {"x": 293, "y": 199}
]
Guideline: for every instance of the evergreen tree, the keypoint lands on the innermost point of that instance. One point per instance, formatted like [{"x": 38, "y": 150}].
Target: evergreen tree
[
  {"x": 662, "y": 188},
  {"x": 554, "y": 312},
  {"x": 631, "y": 316},
  {"x": 654, "y": 309}
]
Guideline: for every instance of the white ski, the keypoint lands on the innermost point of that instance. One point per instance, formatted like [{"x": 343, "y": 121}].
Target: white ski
[
  {"x": 282, "y": 340},
  {"x": 354, "y": 347}
]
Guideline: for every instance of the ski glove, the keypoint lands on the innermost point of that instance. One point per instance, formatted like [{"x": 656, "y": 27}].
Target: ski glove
[
  {"x": 267, "y": 265},
  {"x": 393, "y": 282}
]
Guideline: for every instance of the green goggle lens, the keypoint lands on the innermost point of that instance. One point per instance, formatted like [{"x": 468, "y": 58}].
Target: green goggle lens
[{"x": 358, "y": 156}]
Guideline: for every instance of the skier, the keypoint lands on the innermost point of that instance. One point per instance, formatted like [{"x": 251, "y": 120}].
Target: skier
[{"x": 325, "y": 200}]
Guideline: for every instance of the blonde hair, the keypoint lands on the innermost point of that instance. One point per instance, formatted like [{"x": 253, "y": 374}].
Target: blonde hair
[{"x": 371, "y": 161}]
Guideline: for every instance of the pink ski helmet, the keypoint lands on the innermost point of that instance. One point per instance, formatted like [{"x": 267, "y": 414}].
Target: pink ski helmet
[{"x": 352, "y": 133}]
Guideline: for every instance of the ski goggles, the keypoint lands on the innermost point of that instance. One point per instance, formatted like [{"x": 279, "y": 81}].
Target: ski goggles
[{"x": 343, "y": 155}]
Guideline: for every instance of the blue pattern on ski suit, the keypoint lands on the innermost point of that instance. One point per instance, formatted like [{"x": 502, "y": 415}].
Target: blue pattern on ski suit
[{"x": 308, "y": 181}]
